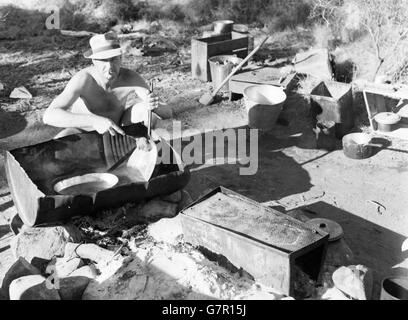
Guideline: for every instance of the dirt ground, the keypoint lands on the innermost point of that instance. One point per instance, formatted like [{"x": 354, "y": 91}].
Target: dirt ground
[{"x": 292, "y": 172}]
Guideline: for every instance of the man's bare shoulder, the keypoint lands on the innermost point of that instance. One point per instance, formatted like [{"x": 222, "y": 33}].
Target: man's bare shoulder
[
  {"x": 81, "y": 78},
  {"x": 132, "y": 78}
]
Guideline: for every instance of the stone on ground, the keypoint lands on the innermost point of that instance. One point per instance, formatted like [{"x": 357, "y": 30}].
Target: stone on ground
[
  {"x": 85, "y": 271},
  {"x": 19, "y": 269},
  {"x": 72, "y": 288},
  {"x": 44, "y": 243},
  {"x": 32, "y": 288},
  {"x": 62, "y": 267},
  {"x": 333, "y": 294},
  {"x": 355, "y": 281},
  {"x": 20, "y": 93}
]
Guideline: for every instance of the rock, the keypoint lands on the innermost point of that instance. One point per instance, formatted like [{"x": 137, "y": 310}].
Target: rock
[
  {"x": 333, "y": 294},
  {"x": 63, "y": 267},
  {"x": 404, "y": 246},
  {"x": 355, "y": 281},
  {"x": 118, "y": 281},
  {"x": 72, "y": 288},
  {"x": 44, "y": 243},
  {"x": 166, "y": 230},
  {"x": 19, "y": 269},
  {"x": 174, "y": 197},
  {"x": 32, "y": 288},
  {"x": 20, "y": 93},
  {"x": 338, "y": 254},
  {"x": 88, "y": 251},
  {"x": 86, "y": 271}
]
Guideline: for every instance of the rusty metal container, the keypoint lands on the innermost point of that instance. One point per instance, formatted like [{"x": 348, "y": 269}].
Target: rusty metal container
[
  {"x": 333, "y": 101},
  {"x": 269, "y": 245},
  {"x": 34, "y": 171}
]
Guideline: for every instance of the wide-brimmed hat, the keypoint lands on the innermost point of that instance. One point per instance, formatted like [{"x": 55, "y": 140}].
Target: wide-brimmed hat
[{"x": 104, "y": 46}]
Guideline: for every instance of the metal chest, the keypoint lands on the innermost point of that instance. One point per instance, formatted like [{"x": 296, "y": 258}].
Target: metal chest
[{"x": 264, "y": 242}]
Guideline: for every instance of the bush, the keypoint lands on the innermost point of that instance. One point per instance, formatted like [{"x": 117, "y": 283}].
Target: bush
[
  {"x": 277, "y": 14},
  {"x": 18, "y": 23},
  {"x": 280, "y": 15}
]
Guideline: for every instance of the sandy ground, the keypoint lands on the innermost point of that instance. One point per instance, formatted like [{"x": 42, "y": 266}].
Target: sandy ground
[{"x": 292, "y": 172}]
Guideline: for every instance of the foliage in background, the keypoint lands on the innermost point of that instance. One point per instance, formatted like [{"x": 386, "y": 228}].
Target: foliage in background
[
  {"x": 367, "y": 29},
  {"x": 369, "y": 35}
]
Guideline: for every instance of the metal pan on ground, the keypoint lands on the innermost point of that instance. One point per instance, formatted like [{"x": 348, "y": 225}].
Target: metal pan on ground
[
  {"x": 86, "y": 184},
  {"x": 357, "y": 146}
]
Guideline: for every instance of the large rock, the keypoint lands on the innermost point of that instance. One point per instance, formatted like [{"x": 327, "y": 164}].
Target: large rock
[
  {"x": 32, "y": 288},
  {"x": 62, "y": 267},
  {"x": 19, "y": 269},
  {"x": 44, "y": 243},
  {"x": 72, "y": 288},
  {"x": 86, "y": 271},
  {"x": 355, "y": 281}
]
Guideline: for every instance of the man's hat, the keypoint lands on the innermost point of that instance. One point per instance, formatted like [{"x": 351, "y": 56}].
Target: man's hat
[{"x": 104, "y": 46}]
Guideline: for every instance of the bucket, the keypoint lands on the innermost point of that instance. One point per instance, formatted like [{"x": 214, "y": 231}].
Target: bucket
[
  {"x": 223, "y": 26},
  {"x": 394, "y": 288},
  {"x": 357, "y": 146},
  {"x": 221, "y": 67},
  {"x": 263, "y": 103},
  {"x": 387, "y": 121}
]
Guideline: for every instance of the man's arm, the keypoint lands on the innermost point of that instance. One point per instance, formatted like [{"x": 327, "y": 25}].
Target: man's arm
[{"x": 58, "y": 115}]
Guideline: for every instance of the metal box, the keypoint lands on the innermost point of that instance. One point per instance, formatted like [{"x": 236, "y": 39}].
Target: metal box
[
  {"x": 265, "y": 75},
  {"x": 333, "y": 101},
  {"x": 33, "y": 171},
  {"x": 204, "y": 48},
  {"x": 264, "y": 242}
]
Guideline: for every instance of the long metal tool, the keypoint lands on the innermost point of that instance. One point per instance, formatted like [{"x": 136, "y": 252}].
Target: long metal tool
[{"x": 207, "y": 99}]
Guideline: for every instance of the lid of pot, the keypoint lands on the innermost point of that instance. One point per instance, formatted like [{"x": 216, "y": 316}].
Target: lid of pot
[
  {"x": 331, "y": 227},
  {"x": 240, "y": 28},
  {"x": 387, "y": 118}
]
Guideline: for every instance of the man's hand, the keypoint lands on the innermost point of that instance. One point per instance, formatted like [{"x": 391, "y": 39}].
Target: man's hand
[
  {"x": 102, "y": 125},
  {"x": 143, "y": 144},
  {"x": 152, "y": 101}
]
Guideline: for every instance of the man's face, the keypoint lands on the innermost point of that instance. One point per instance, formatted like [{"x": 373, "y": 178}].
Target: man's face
[{"x": 108, "y": 68}]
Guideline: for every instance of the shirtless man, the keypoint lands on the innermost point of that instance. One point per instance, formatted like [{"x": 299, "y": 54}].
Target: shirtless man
[{"x": 95, "y": 97}]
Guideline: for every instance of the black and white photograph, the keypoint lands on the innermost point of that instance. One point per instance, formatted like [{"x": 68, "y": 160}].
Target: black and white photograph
[{"x": 204, "y": 154}]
